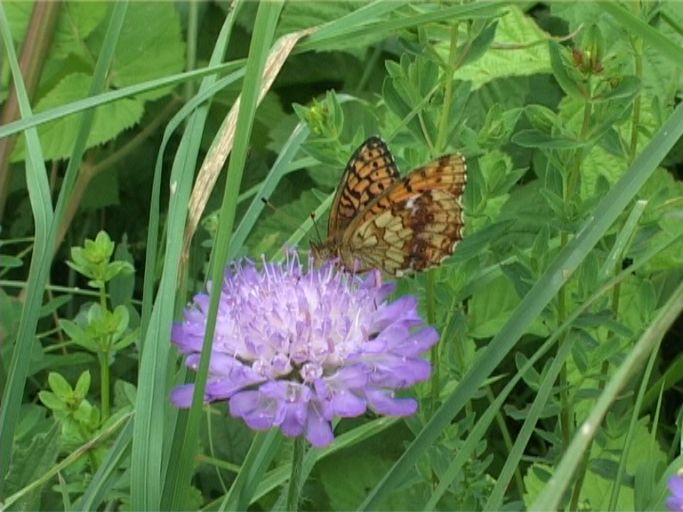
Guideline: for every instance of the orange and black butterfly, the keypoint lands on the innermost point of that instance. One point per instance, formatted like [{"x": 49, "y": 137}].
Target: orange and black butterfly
[{"x": 399, "y": 225}]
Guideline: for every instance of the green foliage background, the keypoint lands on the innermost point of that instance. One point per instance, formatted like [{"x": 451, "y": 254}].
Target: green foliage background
[{"x": 557, "y": 377}]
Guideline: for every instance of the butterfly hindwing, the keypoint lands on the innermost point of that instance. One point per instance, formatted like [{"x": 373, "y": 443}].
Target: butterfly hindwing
[{"x": 415, "y": 224}]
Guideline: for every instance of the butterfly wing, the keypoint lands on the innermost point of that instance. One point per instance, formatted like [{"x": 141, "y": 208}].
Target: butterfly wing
[
  {"x": 413, "y": 225},
  {"x": 370, "y": 172}
]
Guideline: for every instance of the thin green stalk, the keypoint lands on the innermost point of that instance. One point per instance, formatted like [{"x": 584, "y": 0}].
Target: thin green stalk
[
  {"x": 570, "y": 192},
  {"x": 507, "y": 441},
  {"x": 447, "y": 91},
  {"x": 191, "y": 53},
  {"x": 295, "y": 482},
  {"x": 438, "y": 148},
  {"x": 435, "y": 381},
  {"x": 105, "y": 376},
  {"x": 635, "y": 121}
]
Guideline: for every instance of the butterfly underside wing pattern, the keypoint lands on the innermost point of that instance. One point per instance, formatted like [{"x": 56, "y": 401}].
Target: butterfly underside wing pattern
[{"x": 399, "y": 225}]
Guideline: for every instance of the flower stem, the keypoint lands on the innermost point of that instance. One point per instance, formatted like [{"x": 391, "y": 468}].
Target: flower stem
[{"x": 297, "y": 472}]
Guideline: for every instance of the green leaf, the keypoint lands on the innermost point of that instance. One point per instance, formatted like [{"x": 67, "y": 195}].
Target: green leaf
[
  {"x": 77, "y": 20},
  {"x": 122, "y": 285},
  {"x": 481, "y": 43},
  {"x": 29, "y": 464},
  {"x": 151, "y": 46},
  {"x": 537, "y": 139},
  {"x": 57, "y": 137},
  {"x": 51, "y": 401},
  {"x": 491, "y": 307},
  {"x": 506, "y": 58},
  {"x": 598, "y": 483},
  {"x": 563, "y": 71},
  {"x": 82, "y": 385},
  {"x": 7, "y": 261},
  {"x": 72, "y": 329},
  {"x": 59, "y": 385},
  {"x": 346, "y": 479},
  {"x": 301, "y": 15}
]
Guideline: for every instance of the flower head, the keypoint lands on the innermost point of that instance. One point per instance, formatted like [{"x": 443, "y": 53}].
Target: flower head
[
  {"x": 675, "y": 501},
  {"x": 294, "y": 348}
]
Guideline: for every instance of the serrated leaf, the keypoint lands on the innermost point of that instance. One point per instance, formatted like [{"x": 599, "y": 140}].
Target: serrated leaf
[
  {"x": 150, "y": 46},
  {"x": 77, "y": 20},
  {"x": 29, "y": 463},
  {"x": 508, "y": 57},
  {"x": 57, "y": 137},
  {"x": 300, "y": 15}
]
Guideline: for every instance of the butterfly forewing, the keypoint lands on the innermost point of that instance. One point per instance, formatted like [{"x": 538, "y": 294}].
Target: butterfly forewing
[{"x": 370, "y": 172}]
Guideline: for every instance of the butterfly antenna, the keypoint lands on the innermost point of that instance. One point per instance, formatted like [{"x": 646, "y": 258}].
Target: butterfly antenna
[{"x": 288, "y": 219}]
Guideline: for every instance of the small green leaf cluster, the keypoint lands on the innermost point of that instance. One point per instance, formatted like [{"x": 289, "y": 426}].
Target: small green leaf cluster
[
  {"x": 78, "y": 418},
  {"x": 93, "y": 261}
]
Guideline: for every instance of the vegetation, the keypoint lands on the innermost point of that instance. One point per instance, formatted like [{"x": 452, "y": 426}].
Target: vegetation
[{"x": 130, "y": 175}]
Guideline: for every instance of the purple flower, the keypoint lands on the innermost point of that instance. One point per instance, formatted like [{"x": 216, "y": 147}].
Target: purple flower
[
  {"x": 675, "y": 501},
  {"x": 295, "y": 348}
]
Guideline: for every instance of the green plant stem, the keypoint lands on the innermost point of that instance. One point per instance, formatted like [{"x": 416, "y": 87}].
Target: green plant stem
[
  {"x": 440, "y": 143},
  {"x": 297, "y": 471},
  {"x": 507, "y": 441},
  {"x": 571, "y": 190},
  {"x": 103, "y": 359},
  {"x": 635, "y": 122},
  {"x": 191, "y": 53},
  {"x": 105, "y": 376},
  {"x": 435, "y": 382},
  {"x": 438, "y": 148}
]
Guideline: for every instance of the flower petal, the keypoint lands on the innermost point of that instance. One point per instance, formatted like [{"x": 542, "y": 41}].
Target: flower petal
[
  {"x": 182, "y": 396},
  {"x": 383, "y": 402}
]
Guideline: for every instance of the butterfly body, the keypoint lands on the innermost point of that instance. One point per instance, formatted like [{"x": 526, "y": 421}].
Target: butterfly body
[{"x": 399, "y": 225}]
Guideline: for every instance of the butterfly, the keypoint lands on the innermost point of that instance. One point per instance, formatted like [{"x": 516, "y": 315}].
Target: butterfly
[{"x": 397, "y": 224}]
